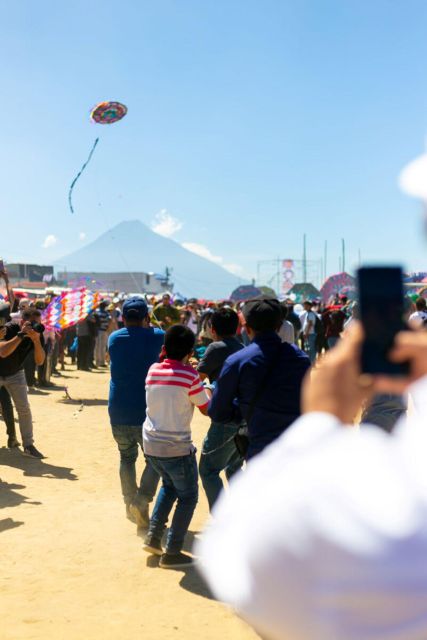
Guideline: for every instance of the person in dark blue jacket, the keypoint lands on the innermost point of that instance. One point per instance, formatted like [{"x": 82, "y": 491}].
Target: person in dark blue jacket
[{"x": 262, "y": 382}]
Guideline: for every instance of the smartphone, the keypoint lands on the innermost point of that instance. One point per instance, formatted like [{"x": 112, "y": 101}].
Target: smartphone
[{"x": 381, "y": 314}]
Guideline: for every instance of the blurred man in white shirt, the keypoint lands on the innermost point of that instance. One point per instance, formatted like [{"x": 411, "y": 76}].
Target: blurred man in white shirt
[{"x": 324, "y": 537}]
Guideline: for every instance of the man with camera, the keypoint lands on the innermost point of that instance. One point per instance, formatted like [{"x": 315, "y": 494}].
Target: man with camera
[{"x": 17, "y": 342}]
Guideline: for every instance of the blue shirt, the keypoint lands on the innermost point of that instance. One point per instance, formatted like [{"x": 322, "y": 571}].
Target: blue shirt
[
  {"x": 242, "y": 375},
  {"x": 132, "y": 352}
]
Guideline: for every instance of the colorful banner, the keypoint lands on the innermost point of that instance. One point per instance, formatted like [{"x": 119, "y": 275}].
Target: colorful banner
[
  {"x": 288, "y": 276},
  {"x": 69, "y": 308}
]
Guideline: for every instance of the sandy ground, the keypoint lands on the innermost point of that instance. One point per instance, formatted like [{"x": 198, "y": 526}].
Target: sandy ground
[{"x": 72, "y": 566}]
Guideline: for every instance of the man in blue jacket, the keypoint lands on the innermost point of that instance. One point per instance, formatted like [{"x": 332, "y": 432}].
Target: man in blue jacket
[
  {"x": 261, "y": 383},
  {"x": 133, "y": 350}
]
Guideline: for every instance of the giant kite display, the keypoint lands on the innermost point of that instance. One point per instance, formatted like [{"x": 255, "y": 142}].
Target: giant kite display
[
  {"x": 338, "y": 284},
  {"x": 103, "y": 113}
]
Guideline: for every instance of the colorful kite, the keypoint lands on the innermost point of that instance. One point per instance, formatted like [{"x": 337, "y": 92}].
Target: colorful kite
[
  {"x": 108, "y": 112},
  {"x": 103, "y": 113},
  {"x": 69, "y": 308},
  {"x": 340, "y": 283}
]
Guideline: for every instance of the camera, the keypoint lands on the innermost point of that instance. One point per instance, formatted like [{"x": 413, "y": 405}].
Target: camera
[{"x": 37, "y": 326}]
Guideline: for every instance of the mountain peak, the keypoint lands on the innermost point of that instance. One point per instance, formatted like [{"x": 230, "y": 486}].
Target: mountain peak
[{"x": 131, "y": 246}]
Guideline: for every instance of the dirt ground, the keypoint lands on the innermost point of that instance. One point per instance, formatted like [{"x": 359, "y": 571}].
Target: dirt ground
[{"x": 72, "y": 566}]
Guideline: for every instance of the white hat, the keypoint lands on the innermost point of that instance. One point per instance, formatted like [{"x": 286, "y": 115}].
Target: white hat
[{"x": 413, "y": 178}]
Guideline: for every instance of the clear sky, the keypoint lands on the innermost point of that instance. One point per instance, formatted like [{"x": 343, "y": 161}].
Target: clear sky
[{"x": 250, "y": 123}]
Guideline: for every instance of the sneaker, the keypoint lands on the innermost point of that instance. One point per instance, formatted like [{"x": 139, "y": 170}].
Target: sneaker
[
  {"x": 154, "y": 546},
  {"x": 139, "y": 515},
  {"x": 175, "y": 561},
  {"x": 12, "y": 442},
  {"x": 32, "y": 452}
]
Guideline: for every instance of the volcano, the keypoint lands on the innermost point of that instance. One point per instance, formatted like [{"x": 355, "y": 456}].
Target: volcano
[{"x": 131, "y": 247}]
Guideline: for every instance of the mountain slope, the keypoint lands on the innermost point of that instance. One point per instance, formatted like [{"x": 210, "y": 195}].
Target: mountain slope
[{"x": 132, "y": 247}]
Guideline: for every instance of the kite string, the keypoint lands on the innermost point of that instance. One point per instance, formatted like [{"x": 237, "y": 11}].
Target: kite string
[{"x": 79, "y": 174}]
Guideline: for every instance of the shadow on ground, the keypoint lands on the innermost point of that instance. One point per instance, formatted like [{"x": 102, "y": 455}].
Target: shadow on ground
[
  {"x": 33, "y": 467},
  {"x": 192, "y": 580},
  {"x": 10, "y": 497},
  {"x": 90, "y": 402},
  {"x": 9, "y": 523}
]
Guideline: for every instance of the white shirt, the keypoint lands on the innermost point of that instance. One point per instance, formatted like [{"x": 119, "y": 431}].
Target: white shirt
[
  {"x": 173, "y": 389},
  {"x": 417, "y": 319},
  {"x": 287, "y": 332},
  {"x": 309, "y": 316},
  {"x": 324, "y": 536}
]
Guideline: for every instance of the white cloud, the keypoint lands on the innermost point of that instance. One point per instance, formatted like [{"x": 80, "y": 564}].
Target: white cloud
[
  {"x": 165, "y": 224},
  {"x": 234, "y": 268},
  {"x": 203, "y": 251},
  {"x": 49, "y": 241},
  {"x": 82, "y": 236}
]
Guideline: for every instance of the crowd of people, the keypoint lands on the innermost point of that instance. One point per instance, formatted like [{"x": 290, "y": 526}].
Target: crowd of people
[{"x": 243, "y": 364}]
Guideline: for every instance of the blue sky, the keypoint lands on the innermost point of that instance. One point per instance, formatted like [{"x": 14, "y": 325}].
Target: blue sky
[{"x": 250, "y": 123}]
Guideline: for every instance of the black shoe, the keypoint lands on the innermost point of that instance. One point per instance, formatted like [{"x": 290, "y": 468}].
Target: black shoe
[
  {"x": 154, "y": 546},
  {"x": 129, "y": 514},
  {"x": 175, "y": 561},
  {"x": 32, "y": 452},
  {"x": 139, "y": 515},
  {"x": 12, "y": 442}
]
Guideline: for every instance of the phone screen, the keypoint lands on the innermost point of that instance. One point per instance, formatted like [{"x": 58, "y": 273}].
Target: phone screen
[{"x": 381, "y": 313}]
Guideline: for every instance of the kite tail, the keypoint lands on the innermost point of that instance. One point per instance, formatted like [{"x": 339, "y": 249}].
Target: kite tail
[{"x": 79, "y": 174}]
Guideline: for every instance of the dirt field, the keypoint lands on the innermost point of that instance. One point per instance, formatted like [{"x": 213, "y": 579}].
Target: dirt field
[{"x": 72, "y": 566}]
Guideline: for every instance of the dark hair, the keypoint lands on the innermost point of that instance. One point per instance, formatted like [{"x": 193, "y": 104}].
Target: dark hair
[
  {"x": 263, "y": 314},
  {"x": 179, "y": 342},
  {"x": 421, "y": 304},
  {"x": 30, "y": 313},
  {"x": 284, "y": 309},
  {"x": 225, "y": 322}
]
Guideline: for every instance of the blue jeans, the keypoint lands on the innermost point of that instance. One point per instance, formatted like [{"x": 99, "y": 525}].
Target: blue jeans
[
  {"x": 384, "y": 410},
  {"x": 129, "y": 439},
  {"x": 219, "y": 452},
  {"x": 179, "y": 483},
  {"x": 332, "y": 341},
  {"x": 310, "y": 342}
]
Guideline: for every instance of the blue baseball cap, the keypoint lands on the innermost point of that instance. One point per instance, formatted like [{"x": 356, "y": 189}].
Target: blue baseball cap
[{"x": 135, "y": 309}]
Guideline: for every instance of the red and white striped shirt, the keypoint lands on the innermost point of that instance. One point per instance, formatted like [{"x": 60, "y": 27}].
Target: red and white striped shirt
[{"x": 173, "y": 390}]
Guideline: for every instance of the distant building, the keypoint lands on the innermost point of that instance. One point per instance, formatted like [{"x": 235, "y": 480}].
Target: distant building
[
  {"x": 123, "y": 282},
  {"x": 35, "y": 273}
]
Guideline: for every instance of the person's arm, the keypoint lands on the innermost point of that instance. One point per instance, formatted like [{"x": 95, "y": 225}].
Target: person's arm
[
  {"x": 199, "y": 396},
  {"x": 9, "y": 346},
  {"x": 10, "y": 294},
  {"x": 221, "y": 407},
  {"x": 204, "y": 408}
]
